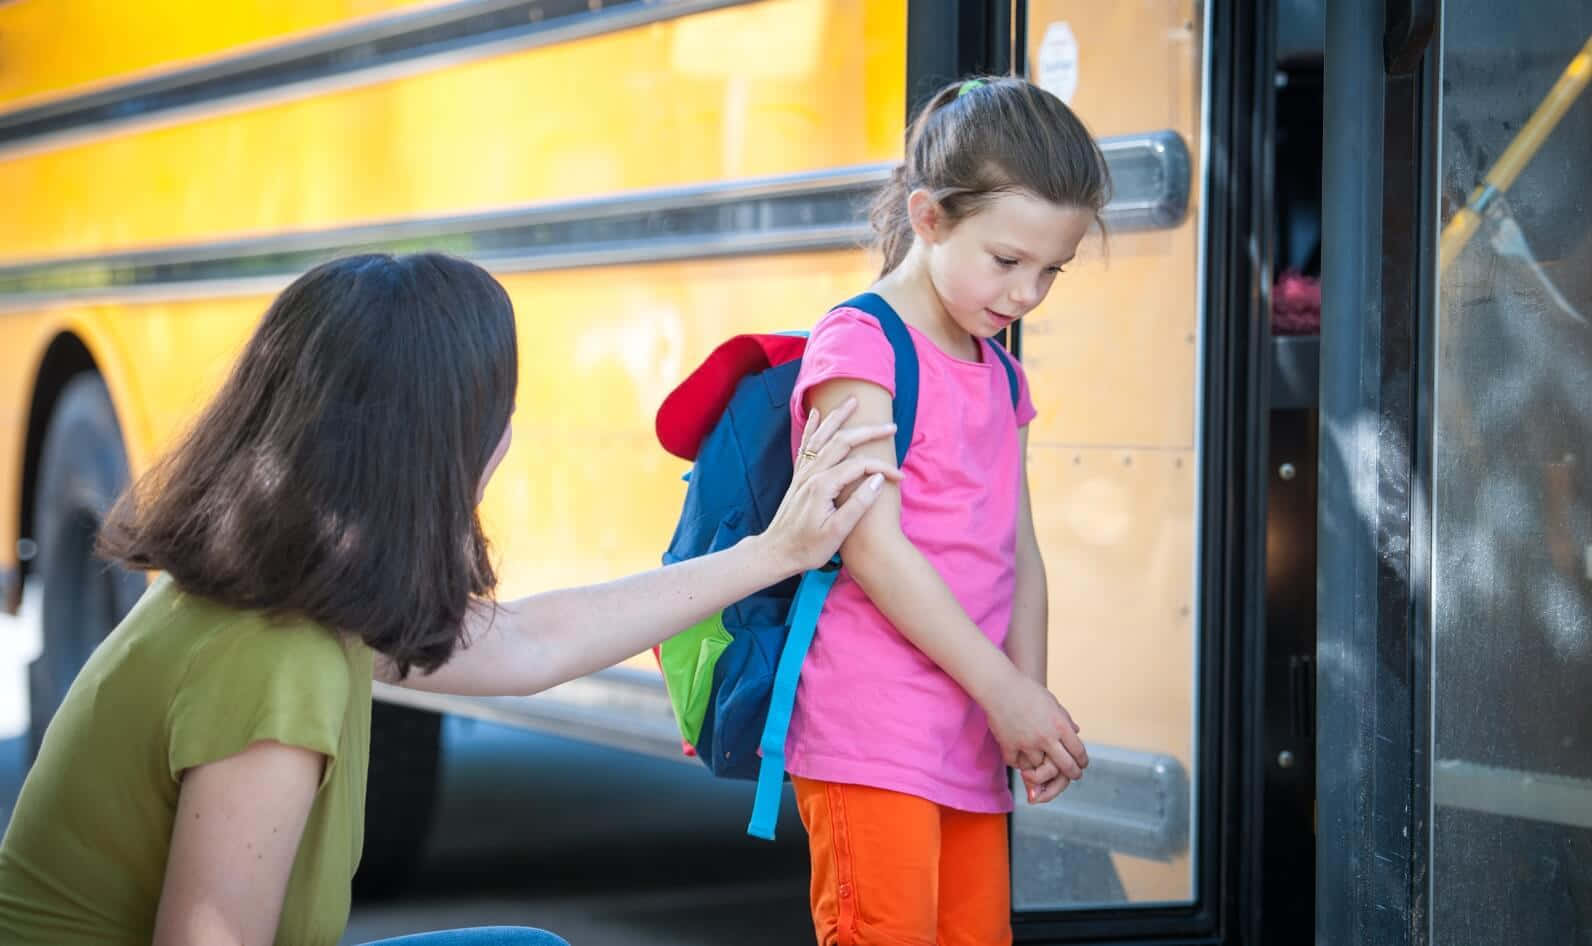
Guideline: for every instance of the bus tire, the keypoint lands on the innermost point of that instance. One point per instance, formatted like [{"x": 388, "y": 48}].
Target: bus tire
[
  {"x": 400, "y": 796},
  {"x": 82, "y": 469}
]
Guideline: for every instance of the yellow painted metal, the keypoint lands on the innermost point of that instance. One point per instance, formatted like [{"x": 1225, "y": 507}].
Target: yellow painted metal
[
  {"x": 644, "y": 108},
  {"x": 53, "y": 48}
]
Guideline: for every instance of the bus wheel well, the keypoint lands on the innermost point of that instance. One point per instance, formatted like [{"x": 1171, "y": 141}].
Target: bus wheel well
[{"x": 66, "y": 358}]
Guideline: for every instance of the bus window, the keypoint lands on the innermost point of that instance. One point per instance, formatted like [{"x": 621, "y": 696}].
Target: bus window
[{"x": 1114, "y": 356}]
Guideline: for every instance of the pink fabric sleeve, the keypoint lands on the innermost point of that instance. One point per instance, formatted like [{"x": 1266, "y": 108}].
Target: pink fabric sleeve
[{"x": 846, "y": 343}]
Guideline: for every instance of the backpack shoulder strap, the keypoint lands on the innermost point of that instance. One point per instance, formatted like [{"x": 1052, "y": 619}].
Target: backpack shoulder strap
[
  {"x": 1011, "y": 370},
  {"x": 806, "y": 607},
  {"x": 906, "y": 365},
  {"x": 815, "y": 585}
]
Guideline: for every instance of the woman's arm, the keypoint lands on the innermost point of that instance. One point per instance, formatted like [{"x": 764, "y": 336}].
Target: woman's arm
[
  {"x": 237, "y": 831},
  {"x": 1024, "y": 717},
  {"x": 528, "y": 645}
]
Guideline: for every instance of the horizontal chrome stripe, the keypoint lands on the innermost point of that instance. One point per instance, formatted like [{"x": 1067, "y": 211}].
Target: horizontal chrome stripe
[
  {"x": 1150, "y": 180},
  {"x": 814, "y": 211},
  {"x": 376, "y": 51},
  {"x": 620, "y": 707},
  {"x": 1133, "y": 802},
  {"x": 1537, "y": 796}
]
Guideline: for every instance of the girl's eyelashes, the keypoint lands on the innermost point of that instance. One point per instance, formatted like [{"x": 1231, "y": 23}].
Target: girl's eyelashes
[{"x": 1004, "y": 260}]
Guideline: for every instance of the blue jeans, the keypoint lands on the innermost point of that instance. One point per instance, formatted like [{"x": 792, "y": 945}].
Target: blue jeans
[{"x": 477, "y": 936}]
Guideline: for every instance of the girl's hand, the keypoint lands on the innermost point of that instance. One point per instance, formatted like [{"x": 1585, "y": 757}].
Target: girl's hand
[
  {"x": 1036, "y": 733},
  {"x": 1041, "y": 779},
  {"x": 815, "y": 516}
]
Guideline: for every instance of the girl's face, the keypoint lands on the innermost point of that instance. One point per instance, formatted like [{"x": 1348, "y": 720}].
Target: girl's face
[
  {"x": 994, "y": 267},
  {"x": 496, "y": 458}
]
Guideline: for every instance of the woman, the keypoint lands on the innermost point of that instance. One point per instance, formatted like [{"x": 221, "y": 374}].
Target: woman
[{"x": 204, "y": 779}]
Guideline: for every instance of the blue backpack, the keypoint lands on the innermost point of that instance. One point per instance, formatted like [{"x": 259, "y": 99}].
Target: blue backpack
[{"x": 732, "y": 678}]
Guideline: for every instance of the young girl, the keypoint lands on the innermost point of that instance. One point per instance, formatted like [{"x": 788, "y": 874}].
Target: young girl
[
  {"x": 204, "y": 779},
  {"x": 926, "y": 676}
]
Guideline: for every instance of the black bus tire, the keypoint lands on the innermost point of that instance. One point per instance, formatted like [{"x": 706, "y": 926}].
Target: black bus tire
[{"x": 82, "y": 469}]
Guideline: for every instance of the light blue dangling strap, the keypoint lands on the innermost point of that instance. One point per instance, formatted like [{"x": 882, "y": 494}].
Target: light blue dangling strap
[{"x": 804, "y": 613}]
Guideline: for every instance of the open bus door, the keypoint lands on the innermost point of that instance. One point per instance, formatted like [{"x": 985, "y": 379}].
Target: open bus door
[{"x": 1455, "y": 619}]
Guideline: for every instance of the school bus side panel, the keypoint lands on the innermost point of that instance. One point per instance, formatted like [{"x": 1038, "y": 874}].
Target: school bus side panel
[
  {"x": 53, "y": 48},
  {"x": 771, "y": 88}
]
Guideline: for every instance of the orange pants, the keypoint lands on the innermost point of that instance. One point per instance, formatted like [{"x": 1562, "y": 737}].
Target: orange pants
[{"x": 896, "y": 870}]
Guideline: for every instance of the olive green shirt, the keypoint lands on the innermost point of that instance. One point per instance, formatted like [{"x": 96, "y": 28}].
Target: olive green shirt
[{"x": 182, "y": 682}]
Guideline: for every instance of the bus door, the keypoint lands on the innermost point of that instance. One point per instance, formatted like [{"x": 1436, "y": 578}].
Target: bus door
[
  {"x": 1456, "y": 640},
  {"x": 1147, "y": 467}
]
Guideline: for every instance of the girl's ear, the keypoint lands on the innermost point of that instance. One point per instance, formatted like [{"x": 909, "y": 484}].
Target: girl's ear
[{"x": 926, "y": 215}]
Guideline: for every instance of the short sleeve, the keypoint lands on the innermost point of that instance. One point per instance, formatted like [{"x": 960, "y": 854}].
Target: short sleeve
[
  {"x": 1026, "y": 412},
  {"x": 847, "y": 343},
  {"x": 254, "y": 681}
]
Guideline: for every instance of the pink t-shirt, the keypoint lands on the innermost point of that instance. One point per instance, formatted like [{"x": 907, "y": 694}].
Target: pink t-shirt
[{"x": 871, "y": 709}]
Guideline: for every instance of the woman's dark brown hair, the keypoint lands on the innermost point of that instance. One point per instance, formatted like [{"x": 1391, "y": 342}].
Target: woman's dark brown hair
[
  {"x": 984, "y": 137},
  {"x": 335, "y": 475}
]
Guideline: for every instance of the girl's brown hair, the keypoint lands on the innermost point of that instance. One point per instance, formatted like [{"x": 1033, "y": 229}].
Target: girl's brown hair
[
  {"x": 983, "y": 137},
  {"x": 335, "y": 475}
]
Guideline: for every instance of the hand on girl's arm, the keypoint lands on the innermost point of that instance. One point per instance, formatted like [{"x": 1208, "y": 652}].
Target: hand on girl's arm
[
  {"x": 525, "y": 646},
  {"x": 1024, "y": 717}
]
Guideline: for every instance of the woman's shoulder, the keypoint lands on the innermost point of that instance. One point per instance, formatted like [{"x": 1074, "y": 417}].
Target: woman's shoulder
[{"x": 208, "y": 636}]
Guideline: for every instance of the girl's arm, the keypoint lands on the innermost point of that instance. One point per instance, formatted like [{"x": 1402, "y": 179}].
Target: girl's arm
[
  {"x": 1024, "y": 717},
  {"x": 1026, "y": 644},
  {"x": 524, "y": 646},
  {"x": 237, "y": 830}
]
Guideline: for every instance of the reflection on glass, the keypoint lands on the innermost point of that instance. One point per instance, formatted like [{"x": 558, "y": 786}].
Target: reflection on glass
[
  {"x": 1512, "y": 564},
  {"x": 1113, "y": 357}
]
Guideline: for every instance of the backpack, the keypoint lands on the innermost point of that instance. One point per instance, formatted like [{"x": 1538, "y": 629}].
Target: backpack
[{"x": 732, "y": 678}]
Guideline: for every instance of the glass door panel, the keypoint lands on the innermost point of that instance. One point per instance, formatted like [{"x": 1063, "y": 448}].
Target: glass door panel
[{"x": 1114, "y": 356}]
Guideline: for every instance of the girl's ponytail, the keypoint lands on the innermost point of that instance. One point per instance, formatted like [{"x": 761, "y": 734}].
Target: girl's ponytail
[{"x": 892, "y": 229}]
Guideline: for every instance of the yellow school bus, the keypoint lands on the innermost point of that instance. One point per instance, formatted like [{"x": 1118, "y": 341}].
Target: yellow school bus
[{"x": 647, "y": 177}]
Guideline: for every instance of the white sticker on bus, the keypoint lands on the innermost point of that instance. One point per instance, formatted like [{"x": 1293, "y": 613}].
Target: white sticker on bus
[{"x": 1058, "y": 61}]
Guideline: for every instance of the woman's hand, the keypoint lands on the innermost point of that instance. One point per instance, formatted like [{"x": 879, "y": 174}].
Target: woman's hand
[{"x": 816, "y": 514}]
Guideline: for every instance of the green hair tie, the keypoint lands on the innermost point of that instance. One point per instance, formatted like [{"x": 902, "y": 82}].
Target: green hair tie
[{"x": 969, "y": 86}]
